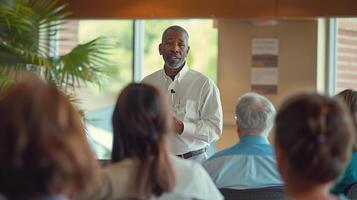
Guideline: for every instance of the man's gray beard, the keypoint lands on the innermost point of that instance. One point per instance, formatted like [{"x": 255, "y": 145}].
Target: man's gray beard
[
  {"x": 178, "y": 66},
  {"x": 171, "y": 67}
]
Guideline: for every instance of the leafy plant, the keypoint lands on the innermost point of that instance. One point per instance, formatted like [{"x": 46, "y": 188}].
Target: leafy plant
[{"x": 27, "y": 27}]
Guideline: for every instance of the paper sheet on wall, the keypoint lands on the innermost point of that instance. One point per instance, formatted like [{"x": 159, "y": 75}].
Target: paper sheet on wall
[{"x": 264, "y": 74}]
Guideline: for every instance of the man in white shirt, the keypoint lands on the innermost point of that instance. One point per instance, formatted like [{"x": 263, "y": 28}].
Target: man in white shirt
[{"x": 194, "y": 98}]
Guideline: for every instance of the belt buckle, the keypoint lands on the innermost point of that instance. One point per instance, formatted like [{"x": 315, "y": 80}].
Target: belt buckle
[
  {"x": 192, "y": 153},
  {"x": 187, "y": 155}
]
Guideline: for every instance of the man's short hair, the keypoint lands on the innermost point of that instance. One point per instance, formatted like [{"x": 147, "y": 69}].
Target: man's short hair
[
  {"x": 255, "y": 114},
  {"x": 176, "y": 28}
]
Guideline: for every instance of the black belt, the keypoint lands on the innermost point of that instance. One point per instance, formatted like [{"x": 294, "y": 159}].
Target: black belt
[{"x": 192, "y": 153}]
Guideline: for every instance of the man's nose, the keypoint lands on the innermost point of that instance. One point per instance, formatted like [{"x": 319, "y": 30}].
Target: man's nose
[{"x": 175, "y": 48}]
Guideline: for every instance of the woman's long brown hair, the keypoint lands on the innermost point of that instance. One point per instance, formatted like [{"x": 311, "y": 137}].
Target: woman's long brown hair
[
  {"x": 140, "y": 123},
  {"x": 43, "y": 148}
]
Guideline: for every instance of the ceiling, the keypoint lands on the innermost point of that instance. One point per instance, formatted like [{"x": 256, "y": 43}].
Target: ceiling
[{"x": 154, "y": 9}]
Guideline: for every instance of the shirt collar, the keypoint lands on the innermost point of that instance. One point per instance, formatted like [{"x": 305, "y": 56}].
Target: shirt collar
[
  {"x": 254, "y": 139},
  {"x": 179, "y": 75}
]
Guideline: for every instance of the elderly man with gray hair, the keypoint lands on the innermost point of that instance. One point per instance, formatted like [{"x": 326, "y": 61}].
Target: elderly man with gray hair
[{"x": 251, "y": 162}]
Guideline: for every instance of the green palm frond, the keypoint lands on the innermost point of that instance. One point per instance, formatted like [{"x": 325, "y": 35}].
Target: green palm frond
[
  {"x": 29, "y": 24},
  {"x": 49, "y": 15},
  {"x": 25, "y": 29},
  {"x": 86, "y": 63},
  {"x": 13, "y": 15},
  {"x": 14, "y": 55}
]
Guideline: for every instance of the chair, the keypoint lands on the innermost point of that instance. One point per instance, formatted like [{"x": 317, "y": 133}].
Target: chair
[
  {"x": 351, "y": 191},
  {"x": 268, "y": 193}
]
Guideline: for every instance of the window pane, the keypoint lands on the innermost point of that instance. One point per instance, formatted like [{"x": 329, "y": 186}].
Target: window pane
[
  {"x": 98, "y": 103},
  {"x": 203, "y": 35}
]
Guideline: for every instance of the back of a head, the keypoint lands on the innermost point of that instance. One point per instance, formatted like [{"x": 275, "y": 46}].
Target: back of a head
[
  {"x": 43, "y": 149},
  {"x": 255, "y": 114},
  {"x": 349, "y": 97},
  {"x": 140, "y": 123},
  {"x": 313, "y": 133}
]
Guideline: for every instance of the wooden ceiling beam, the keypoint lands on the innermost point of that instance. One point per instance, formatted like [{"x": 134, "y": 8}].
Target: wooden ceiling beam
[{"x": 162, "y": 9}]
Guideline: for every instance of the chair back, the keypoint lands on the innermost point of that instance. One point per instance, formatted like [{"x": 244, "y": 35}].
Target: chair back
[
  {"x": 268, "y": 193},
  {"x": 351, "y": 192}
]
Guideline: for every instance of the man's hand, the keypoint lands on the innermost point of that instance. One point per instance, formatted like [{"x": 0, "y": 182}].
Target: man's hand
[{"x": 178, "y": 126}]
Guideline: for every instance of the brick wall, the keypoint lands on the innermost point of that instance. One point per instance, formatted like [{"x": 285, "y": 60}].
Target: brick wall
[
  {"x": 346, "y": 52},
  {"x": 68, "y": 36}
]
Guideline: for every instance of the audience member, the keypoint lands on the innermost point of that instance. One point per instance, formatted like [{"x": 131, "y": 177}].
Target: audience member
[
  {"x": 141, "y": 166},
  {"x": 251, "y": 162},
  {"x": 313, "y": 143},
  {"x": 43, "y": 149},
  {"x": 349, "y": 177}
]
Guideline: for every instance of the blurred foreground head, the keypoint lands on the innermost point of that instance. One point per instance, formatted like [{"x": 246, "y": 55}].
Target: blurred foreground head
[
  {"x": 313, "y": 140},
  {"x": 141, "y": 122},
  {"x": 349, "y": 97},
  {"x": 43, "y": 149}
]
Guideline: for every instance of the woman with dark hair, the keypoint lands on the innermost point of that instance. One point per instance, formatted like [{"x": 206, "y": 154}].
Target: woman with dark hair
[
  {"x": 313, "y": 141},
  {"x": 43, "y": 150},
  {"x": 141, "y": 165},
  {"x": 349, "y": 177}
]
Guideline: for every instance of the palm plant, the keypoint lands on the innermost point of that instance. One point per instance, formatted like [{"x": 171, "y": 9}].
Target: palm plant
[{"x": 26, "y": 29}]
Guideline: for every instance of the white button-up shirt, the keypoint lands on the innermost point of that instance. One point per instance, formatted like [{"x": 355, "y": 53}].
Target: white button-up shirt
[{"x": 196, "y": 102}]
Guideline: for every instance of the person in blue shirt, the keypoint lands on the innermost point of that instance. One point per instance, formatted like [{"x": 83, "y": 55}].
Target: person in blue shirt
[
  {"x": 251, "y": 162},
  {"x": 349, "y": 176}
]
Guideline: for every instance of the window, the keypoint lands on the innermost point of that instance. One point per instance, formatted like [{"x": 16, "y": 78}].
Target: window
[{"x": 98, "y": 103}]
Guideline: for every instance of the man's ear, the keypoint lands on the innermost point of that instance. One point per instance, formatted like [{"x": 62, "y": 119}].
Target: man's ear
[
  {"x": 160, "y": 48},
  {"x": 238, "y": 128},
  {"x": 237, "y": 125},
  {"x": 188, "y": 49}
]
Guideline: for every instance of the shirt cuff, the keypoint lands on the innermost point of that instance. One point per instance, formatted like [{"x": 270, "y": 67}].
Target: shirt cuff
[{"x": 188, "y": 128}]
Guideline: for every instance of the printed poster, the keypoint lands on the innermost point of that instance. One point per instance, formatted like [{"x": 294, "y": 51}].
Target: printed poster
[{"x": 264, "y": 74}]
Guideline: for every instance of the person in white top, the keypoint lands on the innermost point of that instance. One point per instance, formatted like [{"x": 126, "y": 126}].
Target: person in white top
[
  {"x": 141, "y": 165},
  {"x": 194, "y": 98},
  {"x": 192, "y": 182}
]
